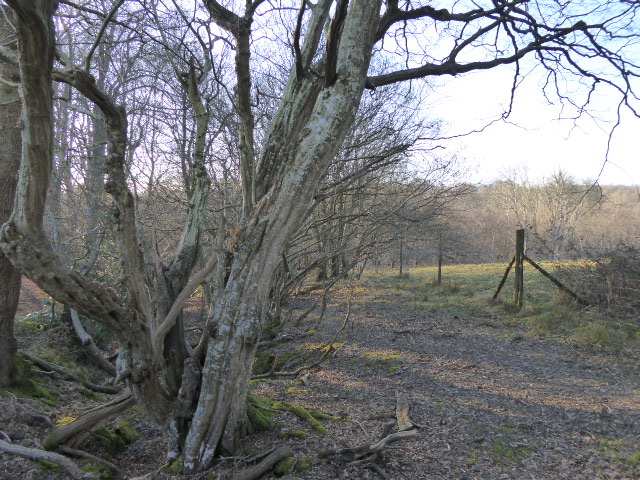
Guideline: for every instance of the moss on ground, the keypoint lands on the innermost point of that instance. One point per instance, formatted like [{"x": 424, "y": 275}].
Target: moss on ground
[
  {"x": 26, "y": 385},
  {"x": 115, "y": 441},
  {"x": 288, "y": 465},
  {"x": 100, "y": 471},
  {"x": 261, "y": 411}
]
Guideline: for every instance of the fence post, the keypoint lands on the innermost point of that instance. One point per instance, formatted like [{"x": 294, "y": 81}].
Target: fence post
[
  {"x": 519, "y": 269},
  {"x": 440, "y": 259}
]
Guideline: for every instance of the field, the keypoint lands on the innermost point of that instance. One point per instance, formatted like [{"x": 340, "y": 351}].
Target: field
[{"x": 550, "y": 392}]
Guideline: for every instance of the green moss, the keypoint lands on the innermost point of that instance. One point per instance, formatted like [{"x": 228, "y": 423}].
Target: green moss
[
  {"x": 323, "y": 416},
  {"x": 295, "y": 391},
  {"x": 26, "y": 386},
  {"x": 304, "y": 414},
  {"x": 175, "y": 467},
  {"x": 271, "y": 327},
  {"x": 298, "y": 434},
  {"x": 504, "y": 453},
  {"x": 102, "y": 472},
  {"x": 47, "y": 466},
  {"x": 634, "y": 458},
  {"x": 127, "y": 432},
  {"x": 260, "y": 411},
  {"x": 285, "y": 466},
  {"x": 303, "y": 465},
  {"x": 288, "y": 465},
  {"x": 115, "y": 441},
  {"x": 91, "y": 395},
  {"x": 260, "y": 414},
  {"x": 266, "y": 362}
]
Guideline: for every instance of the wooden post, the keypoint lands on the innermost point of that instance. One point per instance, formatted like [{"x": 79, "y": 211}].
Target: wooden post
[
  {"x": 440, "y": 259},
  {"x": 401, "y": 255},
  {"x": 519, "y": 269}
]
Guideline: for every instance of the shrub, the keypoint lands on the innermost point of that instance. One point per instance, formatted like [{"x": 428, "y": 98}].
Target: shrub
[{"x": 610, "y": 281}]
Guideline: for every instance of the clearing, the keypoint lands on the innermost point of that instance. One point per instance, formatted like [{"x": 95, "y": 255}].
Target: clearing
[{"x": 546, "y": 393}]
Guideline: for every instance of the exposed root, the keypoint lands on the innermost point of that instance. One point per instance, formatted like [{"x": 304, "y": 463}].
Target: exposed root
[
  {"x": 265, "y": 465},
  {"x": 43, "y": 455},
  {"x": 88, "y": 456},
  {"x": 50, "y": 367}
]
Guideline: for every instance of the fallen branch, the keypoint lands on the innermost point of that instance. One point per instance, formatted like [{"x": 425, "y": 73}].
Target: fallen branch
[
  {"x": 43, "y": 455},
  {"x": 90, "y": 346},
  {"x": 368, "y": 454},
  {"x": 74, "y": 432},
  {"x": 265, "y": 465},
  {"x": 50, "y": 367}
]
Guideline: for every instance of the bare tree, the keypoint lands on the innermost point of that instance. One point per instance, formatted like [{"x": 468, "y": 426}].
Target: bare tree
[
  {"x": 202, "y": 406},
  {"x": 10, "y": 109}
]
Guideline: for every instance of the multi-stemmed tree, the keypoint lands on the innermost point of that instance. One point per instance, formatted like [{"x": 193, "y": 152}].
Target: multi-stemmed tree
[{"x": 199, "y": 394}]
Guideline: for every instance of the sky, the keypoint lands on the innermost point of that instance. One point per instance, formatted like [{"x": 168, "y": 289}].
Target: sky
[{"x": 536, "y": 139}]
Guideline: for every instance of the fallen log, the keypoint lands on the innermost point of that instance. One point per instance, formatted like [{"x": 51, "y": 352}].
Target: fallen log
[{"x": 75, "y": 432}]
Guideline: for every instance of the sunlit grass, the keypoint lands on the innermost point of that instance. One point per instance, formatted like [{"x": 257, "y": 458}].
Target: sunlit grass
[{"x": 467, "y": 290}]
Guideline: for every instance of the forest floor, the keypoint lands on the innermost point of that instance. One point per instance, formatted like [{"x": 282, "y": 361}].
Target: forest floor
[{"x": 494, "y": 394}]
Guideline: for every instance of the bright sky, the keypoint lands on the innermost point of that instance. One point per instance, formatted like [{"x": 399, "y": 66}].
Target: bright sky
[{"x": 540, "y": 141}]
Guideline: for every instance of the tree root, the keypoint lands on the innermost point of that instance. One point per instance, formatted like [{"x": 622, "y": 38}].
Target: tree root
[
  {"x": 265, "y": 465},
  {"x": 88, "y": 456},
  {"x": 43, "y": 455},
  {"x": 49, "y": 367},
  {"x": 327, "y": 350}
]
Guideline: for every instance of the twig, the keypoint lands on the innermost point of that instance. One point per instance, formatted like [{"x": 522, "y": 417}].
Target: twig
[{"x": 329, "y": 349}]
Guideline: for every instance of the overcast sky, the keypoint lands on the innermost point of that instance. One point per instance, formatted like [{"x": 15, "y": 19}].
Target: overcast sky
[{"x": 540, "y": 141}]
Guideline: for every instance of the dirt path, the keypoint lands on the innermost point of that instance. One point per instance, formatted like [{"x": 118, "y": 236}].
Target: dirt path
[{"x": 494, "y": 403}]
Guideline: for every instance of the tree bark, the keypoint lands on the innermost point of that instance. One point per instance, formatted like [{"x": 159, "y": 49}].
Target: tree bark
[
  {"x": 220, "y": 416},
  {"x": 10, "y": 146}
]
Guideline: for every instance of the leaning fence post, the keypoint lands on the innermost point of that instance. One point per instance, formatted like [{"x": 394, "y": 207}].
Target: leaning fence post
[{"x": 504, "y": 277}]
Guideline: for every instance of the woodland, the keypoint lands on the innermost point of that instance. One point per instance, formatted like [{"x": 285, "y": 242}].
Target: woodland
[{"x": 252, "y": 157}]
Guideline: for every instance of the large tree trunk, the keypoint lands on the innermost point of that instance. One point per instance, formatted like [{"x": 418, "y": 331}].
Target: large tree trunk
[
  {"x": 220, "y": 418},
  {"x": 10, "y": 108}
]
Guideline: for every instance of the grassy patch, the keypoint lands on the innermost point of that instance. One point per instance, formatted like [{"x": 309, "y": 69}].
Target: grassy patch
[
  {"x": 467, "y": 290},
  {"x": 507, "y": 453},
  {"x": 387, "y": 358},
  {"x": 99, "y": 471}
]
